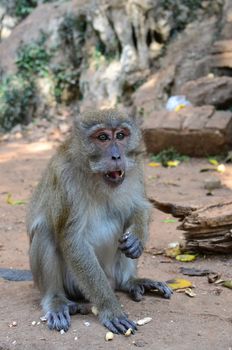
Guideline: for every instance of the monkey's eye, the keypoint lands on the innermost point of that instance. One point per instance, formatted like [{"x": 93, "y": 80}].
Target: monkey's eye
[
  {"x": 120, "y": 135},
  {"x": 103, "y": 137}
]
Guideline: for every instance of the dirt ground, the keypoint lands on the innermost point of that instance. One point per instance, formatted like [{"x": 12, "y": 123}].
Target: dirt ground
[{"x": 203, "y": 322}]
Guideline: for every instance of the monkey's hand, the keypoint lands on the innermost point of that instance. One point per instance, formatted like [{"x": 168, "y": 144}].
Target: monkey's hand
[
  {"x": 141, "y": 285},
  {"x": 117, "y": 324},
  {"x": 130, "y": 245}
]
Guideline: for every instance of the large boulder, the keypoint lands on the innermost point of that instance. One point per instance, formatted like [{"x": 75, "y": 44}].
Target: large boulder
[
  {"x": 194, "y": 131},
  {"x": 216, "y": 91}
]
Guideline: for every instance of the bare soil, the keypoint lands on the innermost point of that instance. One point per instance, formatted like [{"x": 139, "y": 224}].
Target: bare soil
[{"x": 203, "y": 322}]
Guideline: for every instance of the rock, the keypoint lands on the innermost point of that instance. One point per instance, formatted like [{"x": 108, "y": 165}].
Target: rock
[
  {"x": 153, "y": 93},
  {"x": 103, "y": 86},
  {"x": 194, "y": 131},
  {"x": 216, "y": 91},
  {"x": 212, "y": 184}
]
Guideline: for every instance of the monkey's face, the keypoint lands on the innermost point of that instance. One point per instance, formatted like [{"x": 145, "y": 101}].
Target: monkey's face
[{"x": 109, "y": 155}]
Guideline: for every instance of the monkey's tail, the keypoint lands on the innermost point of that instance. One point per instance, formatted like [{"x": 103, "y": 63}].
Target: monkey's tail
[{"x": 15, "y": 274}]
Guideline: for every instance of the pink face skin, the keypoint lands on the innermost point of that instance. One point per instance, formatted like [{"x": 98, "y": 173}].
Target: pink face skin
[
  {"x": 103, "y": 136},
  {"x": 112, "y": 143}
]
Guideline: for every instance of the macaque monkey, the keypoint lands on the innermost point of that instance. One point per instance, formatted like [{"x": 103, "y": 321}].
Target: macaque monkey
[{"x": 88, "y": 222}]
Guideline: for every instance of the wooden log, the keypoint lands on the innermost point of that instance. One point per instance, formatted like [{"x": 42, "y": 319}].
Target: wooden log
[
  {"x": 214, "y": 216},
  {"x": 206, "y": 228}
]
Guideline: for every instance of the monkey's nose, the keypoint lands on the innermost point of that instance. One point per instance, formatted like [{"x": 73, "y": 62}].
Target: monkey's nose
[{"x": 116, "y": 157}]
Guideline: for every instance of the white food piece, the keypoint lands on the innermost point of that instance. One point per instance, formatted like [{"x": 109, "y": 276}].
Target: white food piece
[
  {"x": 62, "y": 331},
  {"x": 109, "y": 336},
  {"x": 143, "y": 321},
  {"x": 33, "y": 323},
  {"x": 128, "y": 332},
  {"x": 94, "y": 310}
]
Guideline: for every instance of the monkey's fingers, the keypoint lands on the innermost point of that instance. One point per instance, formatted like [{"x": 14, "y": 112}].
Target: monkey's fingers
[
  {"x": 162, "y": 287},
  {"x": 134, "y": 252},
  {"x": 120, "y": 325},
  {"x": 58, "y": 320}
]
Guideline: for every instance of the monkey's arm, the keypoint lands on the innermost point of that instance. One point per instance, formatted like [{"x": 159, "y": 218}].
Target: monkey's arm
[
  {"x": 94, "y": 284},
  {"x": 133, "y": 240}
]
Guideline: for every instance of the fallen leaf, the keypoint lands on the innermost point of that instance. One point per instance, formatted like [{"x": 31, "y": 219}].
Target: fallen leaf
[
  {"x": 227, "y": 284},
  {"x": 154, "y": 164},
  {"x": 179, "y": 283},
  {"x": 11, "y": 201},
  {"x": 185, "y": 257},
  {"x": 173, "y": 163},
  {"x": 169, "y": 221},
  {"x": 213, "y": 161}
]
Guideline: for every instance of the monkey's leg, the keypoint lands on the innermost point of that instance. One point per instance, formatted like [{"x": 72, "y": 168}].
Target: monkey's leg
[
  {"x": 95, "y": 286},
  {"x": 47, "y": 273}
]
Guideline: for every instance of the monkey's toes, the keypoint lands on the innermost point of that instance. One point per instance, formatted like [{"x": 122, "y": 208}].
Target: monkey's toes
[
  {"x": 58, "y": 320},
  {"x": 120, "y": 325}
]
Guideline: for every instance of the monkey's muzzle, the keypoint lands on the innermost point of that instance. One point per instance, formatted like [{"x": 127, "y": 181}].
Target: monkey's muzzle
[{"x": 114, "y": 177}]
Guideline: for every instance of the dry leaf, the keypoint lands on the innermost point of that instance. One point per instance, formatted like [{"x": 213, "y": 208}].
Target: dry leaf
[
  {"x": 227, "y": 284},
  {"x": 154, "y": 164},
  {"x": 185, "y": 257},
  {"x": 173, "y": 163},
  {"x": 179, "y": 283},
  {"x": 213, "y": 161},
  {"x": 11, "y": 201}
]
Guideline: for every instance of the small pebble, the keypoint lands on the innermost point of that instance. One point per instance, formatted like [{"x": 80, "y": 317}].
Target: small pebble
[
  {"x": 75, "y": 338},
  {"x": 43, "y": 319},
  {"x": 14, "y": 342},
  {"x": 14, "y": 323},
  {"x": 38, "y": 323},
  {"x": 33, "y": 323},
  {"x": 87, "y": 324}
]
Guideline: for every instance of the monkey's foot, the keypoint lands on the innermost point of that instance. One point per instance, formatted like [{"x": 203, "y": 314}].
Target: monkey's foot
[
  {"x": 59, "y": 319},
  {"x": 130, "y": 245},
  {"x": 139, "y": 286},
  {"x": 119, "y": 325},
  {"x": 79, "y": 308}
]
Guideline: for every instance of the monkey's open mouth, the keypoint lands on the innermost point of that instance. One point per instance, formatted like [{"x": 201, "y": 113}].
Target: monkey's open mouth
[{"x": 115, "y": 177}]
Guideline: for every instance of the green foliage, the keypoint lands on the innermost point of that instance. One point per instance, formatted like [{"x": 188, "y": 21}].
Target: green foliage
[
  {"x": 24, "y": 7},
  {"x": 33, "y": 58},
  {"x": 16, "y": 101},
  {"x": 71, "y": 32},
  {"x": 168, "y": 155},
  {"x": 65, "y": 79}
]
